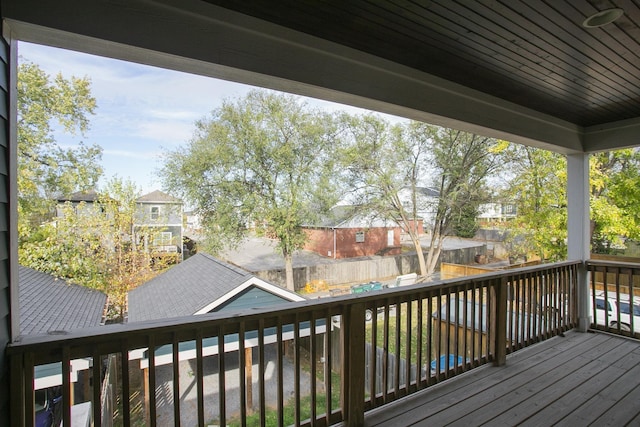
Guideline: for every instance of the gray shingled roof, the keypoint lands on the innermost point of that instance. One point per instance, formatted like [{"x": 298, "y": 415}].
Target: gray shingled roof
[
  {"x": 158, "y": 197},
  {"x": 185, "y": 288},
  {"x": 48, "y": 304},
  {"x": 81, "y": 196}
]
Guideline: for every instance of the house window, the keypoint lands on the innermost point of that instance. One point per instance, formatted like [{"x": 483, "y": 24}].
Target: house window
[
  {"x": 359, "y": 236},
  {"x": 162, "y": 238},
  {"x": 155, "y": 212}
]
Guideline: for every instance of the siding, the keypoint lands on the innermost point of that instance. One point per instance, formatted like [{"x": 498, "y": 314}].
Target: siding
[
  {"x": 375, "y": 242},
  {"x": 252, "y": 297},
  {"x": 5, "y": 306}
]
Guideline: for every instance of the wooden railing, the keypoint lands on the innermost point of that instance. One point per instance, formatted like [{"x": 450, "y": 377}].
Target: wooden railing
[
  {"x": 317, "y": 362},
  {"x": 615, "y": 297}
]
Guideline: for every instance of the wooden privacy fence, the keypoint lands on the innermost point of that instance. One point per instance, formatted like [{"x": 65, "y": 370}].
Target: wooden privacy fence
[
  {"x": 190, "y": 365},
  {"x": 365, "y": 269}
]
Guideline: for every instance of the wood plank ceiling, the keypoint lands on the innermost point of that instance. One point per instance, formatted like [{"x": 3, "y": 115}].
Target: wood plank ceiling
[{"x": 532, "y": 52}]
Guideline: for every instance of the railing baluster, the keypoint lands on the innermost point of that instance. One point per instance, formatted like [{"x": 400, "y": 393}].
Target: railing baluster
[
  {"x": 385, "y": 356},
  {"x": 396, "y": 383},
  {"x": 431, "y": 336},
  {"x": 465, "y": 322},
  {"x": 281, "y": 354},
  {"x": 328, "y": 360},
  {"x": 222, "y": 380},
  {"x": 242, "y": 367},
  {"x": 152, "y": 382},
  {"x": 474, "y": 321},
  {"x": 200, "y": 377},
  {"x": 456, "y": 347},
  {"x": 261, "y": 370},
  {"x": 312, "y": 355},
  {"x": 419, "y": 342},
  {"x": 296, "y": 356},
  {"x": 448, "y": 340},
  {"x": 407, "y": 338},
  {"x": 373, "y": 355},
  {"x": 176, "y": 379},
  {"x": 124, "y": 377},
  {"x": 97, "y": 388}
]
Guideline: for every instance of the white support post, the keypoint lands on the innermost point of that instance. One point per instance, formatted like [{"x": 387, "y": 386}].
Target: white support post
[{"x": 578, "y": 225}]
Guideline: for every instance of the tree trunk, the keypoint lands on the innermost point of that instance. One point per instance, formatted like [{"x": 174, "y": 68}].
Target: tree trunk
[
  {"x": 421, "y": 262},
  {"x": 435, "y": 247},
  {"x": 288, "y": 269}
]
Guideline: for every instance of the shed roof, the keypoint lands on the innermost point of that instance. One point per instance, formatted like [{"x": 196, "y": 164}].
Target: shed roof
[
  {"x": 48, "y": 304},
  {"x": 351, "y": 216},
  {"x": 198, "y": 285}
]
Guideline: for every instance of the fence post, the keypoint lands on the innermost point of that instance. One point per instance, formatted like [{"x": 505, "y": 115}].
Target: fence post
[
  {"x": 352, "y": 337},
  {"x": 499, "y": 321}
]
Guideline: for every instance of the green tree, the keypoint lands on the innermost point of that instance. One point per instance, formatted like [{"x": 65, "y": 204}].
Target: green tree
[
  {"x": 615, "y": 199},
  {"x": 91, "y": 244},
  {"x": 264, "y": 160},
  {"x": 537, "y": 185},
  {"x": 47, "y": 171},
  {"x": 382, "y": 161},
  {"x": 461, "y": 163}
]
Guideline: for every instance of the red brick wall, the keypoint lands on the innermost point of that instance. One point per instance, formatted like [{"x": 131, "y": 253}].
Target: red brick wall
[{"x": 375, "y": 242}]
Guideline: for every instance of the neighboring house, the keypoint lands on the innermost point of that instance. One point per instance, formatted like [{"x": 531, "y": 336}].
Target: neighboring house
[
  {"x": 83, "y": 202},
  {"x": 346, "y": 233},
  {"x": 494, "y": 212},
  {"x": 426, "y": 203},
  {"x": 203, "y": 284},
  {"x": 158, "y": 223}
]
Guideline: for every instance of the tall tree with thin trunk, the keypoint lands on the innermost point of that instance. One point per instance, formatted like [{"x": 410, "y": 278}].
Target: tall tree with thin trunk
[
  {"x": 460, "y": 164},
  {"x": 47, "y": 171},
  {"x": 263, "y": 161},
  {"x": 382, "y": 161}
]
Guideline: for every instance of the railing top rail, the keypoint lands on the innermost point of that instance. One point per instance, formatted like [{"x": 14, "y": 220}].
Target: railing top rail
[
  {"x": 606, "y": 263},
  {"x": 137, "y": 333}
]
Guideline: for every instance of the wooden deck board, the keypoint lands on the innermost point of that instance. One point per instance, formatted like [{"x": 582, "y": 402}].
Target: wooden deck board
[
  {"x": 579, "y": 397},
  {"x": 444, "y": 395},
  {"x": 572, "y": 380}
]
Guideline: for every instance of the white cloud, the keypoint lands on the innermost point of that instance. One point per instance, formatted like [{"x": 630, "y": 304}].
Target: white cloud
[{"x": 141, "y": 108}]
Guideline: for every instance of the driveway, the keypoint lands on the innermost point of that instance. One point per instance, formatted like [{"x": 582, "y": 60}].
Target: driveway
[{"x": 259, "y": 253}]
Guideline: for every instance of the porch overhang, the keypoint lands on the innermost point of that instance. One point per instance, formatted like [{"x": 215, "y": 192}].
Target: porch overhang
[{"x": 204, "y": 38}]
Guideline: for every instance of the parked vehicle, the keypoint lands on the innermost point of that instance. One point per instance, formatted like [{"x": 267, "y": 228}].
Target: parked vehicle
[{"x": 608, "y": 308}]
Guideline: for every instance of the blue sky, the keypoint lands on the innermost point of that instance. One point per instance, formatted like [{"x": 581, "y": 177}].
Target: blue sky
[{"x": 142, "y": 111}]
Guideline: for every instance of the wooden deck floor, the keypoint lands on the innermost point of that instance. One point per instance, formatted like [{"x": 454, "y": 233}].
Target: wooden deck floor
[{"x": 577, "y": 380}]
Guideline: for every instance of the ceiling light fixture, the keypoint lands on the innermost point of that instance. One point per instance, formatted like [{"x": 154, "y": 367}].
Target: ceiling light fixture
[{"x": 602, "y": 18}]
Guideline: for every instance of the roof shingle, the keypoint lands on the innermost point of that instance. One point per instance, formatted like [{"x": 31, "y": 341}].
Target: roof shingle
[{"x": 48, "y": 304}]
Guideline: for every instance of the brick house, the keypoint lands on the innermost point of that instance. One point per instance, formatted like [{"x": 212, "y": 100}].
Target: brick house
[{"x": 347, "y": 233}]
